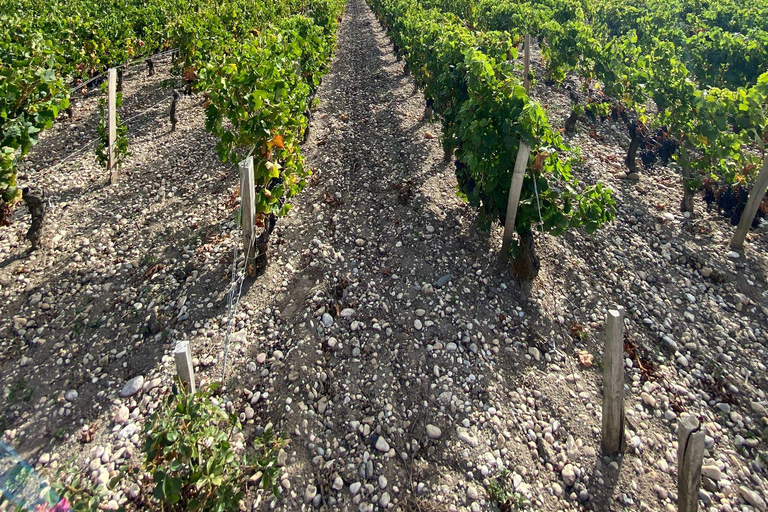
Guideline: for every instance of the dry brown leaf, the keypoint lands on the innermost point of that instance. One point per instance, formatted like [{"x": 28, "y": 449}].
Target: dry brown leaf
[
  {"x": 596, "y": 136},
  {"x": 577, "y": 329},
  {"x": 538, "y": 162},
  {"x": 189, "y": 74},
  {"x": 153, "y": 270},
  {"x": 586, "y": 359},
  {"x": 88, "y": 435}
]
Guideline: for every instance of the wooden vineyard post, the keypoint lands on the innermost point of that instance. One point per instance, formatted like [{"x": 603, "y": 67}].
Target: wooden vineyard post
[
  {"x": 613, "y": 383},
  {"x": 174, "y": 107},
  {"x": 247, "y": 214},
  {"x": 527, "y": 63},
  {"x": 112, "y": 122},
  {"x": 120, "y": 72},
  {"x": 184, "y": 368},
  {"x": 521, "y": 165},
  {"x": 690, "y": 455},
  {"x": 750, "y": 210},
  {"x": 515, "y": 187}
]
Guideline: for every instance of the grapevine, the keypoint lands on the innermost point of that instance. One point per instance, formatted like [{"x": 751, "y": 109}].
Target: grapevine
[
  {"x": 670, "y": 57},
  {"x": 121, "y": 140},
  {"x": 485, "y": 113}
]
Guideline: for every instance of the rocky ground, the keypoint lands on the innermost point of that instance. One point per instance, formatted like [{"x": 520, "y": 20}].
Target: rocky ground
[{"x": 402, "y": 361}]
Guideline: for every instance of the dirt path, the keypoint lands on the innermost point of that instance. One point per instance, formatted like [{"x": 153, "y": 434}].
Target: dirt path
[
  {"x": 398, "y": 317},
  {"x": 365, "y": 348}
]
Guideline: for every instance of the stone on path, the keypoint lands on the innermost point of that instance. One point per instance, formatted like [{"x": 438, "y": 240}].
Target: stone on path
[
  {"x": 132, "y": 386},
  {"x": 433, "y": 432},
  {"x": 382, "y": 445},
  {"x": 122, "y": 415}
]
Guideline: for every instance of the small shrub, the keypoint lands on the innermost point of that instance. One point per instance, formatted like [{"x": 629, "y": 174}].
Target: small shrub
[
  {"x": 20, "y": 391},
  {"x": 121, "y": 140},
  {"x": 503, "y": 494},
  {"x": 72, "y": 491},
  {"x": 191, "y": 459}
]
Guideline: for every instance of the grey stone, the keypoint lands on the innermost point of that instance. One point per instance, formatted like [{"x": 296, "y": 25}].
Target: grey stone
[
  {"x": 122, "y": 414},
  {"x": 132, "y": 386},
  {"x": 752, "y": 498},
  {"x": 569, "y": 475},
  {"x": 712, "y": 472},
  {"x": 433, "y": 432},
  {"x": 309, "y": 493},
  {"x": 238, "y": 337},
  {"x": 382, "y": 445}
]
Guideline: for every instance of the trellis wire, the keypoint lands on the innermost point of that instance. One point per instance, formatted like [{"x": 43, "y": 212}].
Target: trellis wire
[
  {"x": 147, "y": 109},
  {"x": 139, "y": 60},
  {"x": 538, "y": 204},
  {"x": 82, "y": 149},
  {"x": 77, "y": 152},
  {"x": 232, "y": 303},
  {"x": 125, "y": 65},
  {"x": 236, "y": 282},
  {"x": 235, "y": 292},
  {"x": 84, "y": 84}
]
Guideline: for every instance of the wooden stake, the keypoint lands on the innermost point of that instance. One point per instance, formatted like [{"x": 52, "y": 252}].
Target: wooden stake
[
  {"x": 184, "y": 368},
  {"x": 120, "y": 79},
  {"x": 112, "y": 120},
  {"x": 613, "y": 440},
  {"x": 515, "y": 187},
  {"x": 174, "y": 106},
  {"x": 527, "y": 63},
  {"x": 690, "y": 454},
  {"x": 750, "y": 210},
  {"x": 247, "y": 214}
]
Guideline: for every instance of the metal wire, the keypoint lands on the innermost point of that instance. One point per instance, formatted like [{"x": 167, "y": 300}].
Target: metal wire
[
  {"x": 79, "y": 151},
  {"x": 125, "y": 122},
  {"x": 232, "y": 304},
  {"x": 73, "y": 89},
  {"x": 538, "y": 204},
  {"x": 237, "y": 280},
  {"x": 125, "y": 65},
  {"x": 144, "y": 59},
  {"x": 147, "y": 109},
  {"x": 89, "y": 143}
]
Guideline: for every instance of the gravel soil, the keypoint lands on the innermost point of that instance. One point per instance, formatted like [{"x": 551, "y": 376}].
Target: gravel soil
[{"x": 386, "y": 342}]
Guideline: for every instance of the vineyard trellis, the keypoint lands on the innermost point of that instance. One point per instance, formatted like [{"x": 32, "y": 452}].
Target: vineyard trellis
[
  {"x": 487, "y": 116},
  {"x": 704, "y": 70},
  {"x": 258, "y": 78},
  {"x": 274, "y": 57}
]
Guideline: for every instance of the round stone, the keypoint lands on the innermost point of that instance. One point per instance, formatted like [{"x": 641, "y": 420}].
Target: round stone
[{"x": 433, "y": 432}]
